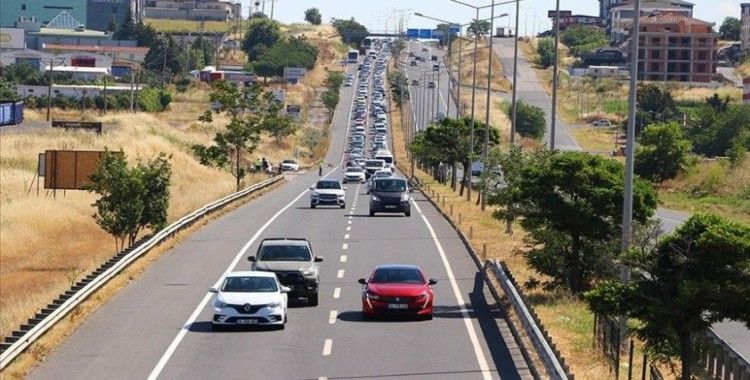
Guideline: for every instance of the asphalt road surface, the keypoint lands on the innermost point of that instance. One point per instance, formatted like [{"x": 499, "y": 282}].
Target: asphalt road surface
[{"x": 159, "y": 325}]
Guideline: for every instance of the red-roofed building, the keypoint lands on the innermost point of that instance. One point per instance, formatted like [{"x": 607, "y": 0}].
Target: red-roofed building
[{"x": 674, "y": 47}]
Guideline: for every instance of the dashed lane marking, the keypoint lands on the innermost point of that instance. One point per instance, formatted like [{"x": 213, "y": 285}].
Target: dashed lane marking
[
  {"x": 345, "y": 246},
  {"x": 343, "y": 258},
  {"x": 340, "y": 274},
  {"x": 336, "y": 293},
  {"x": 327, "y": 346},
  {"x": 332, "y": 317}
]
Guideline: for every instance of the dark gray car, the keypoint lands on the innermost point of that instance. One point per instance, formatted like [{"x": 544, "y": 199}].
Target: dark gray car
[{"x": 390, "y": 195}]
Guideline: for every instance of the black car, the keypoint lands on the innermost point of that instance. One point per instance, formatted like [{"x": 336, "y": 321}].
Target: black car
[{"x": 390, "y": 195}]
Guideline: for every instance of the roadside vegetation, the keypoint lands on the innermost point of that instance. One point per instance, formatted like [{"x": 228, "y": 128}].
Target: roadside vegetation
[{"x": 39, "y": 260}]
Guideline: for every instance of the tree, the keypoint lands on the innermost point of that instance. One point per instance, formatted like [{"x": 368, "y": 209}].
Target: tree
[
  {"x": 530, "y": 122},
  {"x": 351, "y": 31},
  {"x": 130, "y": 198},
  {"x": 479, "y": 28},
  {"x": 261, "y": 34},
  {"x": 582, "y": 39},
  {"x": 294, "y": 52},
  {"x": 279, "y": 127},
  {"x": 249, "y": 111},
  {"x": 128, "y": 29},
  {"x": 663, "y": 151},
  {"x": 654, "y": 105},
  {"x": 730, "y": 29},
  {"x": 313, "y": 16},
  {"x": 166, "y": 57},
  {"x": 399, "y": 87},
  {"x": 447, "y": 37},
  {"x": 545, "y": 48},
  {"x": 692, "y": 279},
  {"x": 330, "y": 97},
  {"x": 715, "y": 131},
  {"x": 571, "y": 204}
]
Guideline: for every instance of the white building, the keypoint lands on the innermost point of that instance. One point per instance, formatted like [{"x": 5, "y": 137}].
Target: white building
[{"x": 217, "y": 10}]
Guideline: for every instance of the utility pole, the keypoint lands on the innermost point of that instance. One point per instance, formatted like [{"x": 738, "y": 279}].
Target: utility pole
[
  {"x": 105, "y": 95},
  {"x": 51, "y": 73},
  {"x": 132, "y": 88},
  {"x": 164, "y": 65},
  {"x": 555, "y": 76},
  {"x": 515, "y": 78},
  {"x": 471, "y": 129},
  {"x": 486, "y": 149},
  {"x": 137, "y": 86}
]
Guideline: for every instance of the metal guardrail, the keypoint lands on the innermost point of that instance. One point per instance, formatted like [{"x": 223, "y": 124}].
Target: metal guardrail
[
  {"x": 25, "y": 338},
  {"x": 547, "y": 354}
]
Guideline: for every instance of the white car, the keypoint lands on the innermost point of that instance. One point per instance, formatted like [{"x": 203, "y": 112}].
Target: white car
[
  {"x": 354, "y": 174},
  {"x": 289, "y": 166},
  {"x": 250, "y": 298},
  {"x": 601, "y": 123},
  {"x": 328, "y": 192}
]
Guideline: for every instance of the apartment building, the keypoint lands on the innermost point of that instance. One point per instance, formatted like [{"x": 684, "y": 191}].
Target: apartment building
[
  {"x": 567, "y": 19},
  {"x": 674, "y": 47},
  {"x": 621, "y": 16},
  {"x": 745, "y": 31},
  {"x": 216, "y": 10}
]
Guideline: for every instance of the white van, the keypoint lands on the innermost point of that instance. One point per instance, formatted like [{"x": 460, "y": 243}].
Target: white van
[{"x": 385, "y": 156}]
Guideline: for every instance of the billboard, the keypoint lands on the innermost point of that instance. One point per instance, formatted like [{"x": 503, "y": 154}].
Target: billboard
[
  {"x": 294, "y": 73},
  {"x": 412, "y": 33},
  {"x": 563, "y": 14},
  {"x": 12, "y": 38},
  {"x": 70, "y": 169},
  {"x": 425, "y": 33}
]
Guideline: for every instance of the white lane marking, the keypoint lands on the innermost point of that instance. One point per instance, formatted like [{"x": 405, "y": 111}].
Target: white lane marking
[
  {"x": 343, "y": 258},
  {"x": 336, "y": 293},
  {"x": 345, "y": 246},
  {"x": 348, "y": 228},
  {"x": 327, "y": 346},
  {"x": 478, "y": 352},
  {"x": 346, "y": 237},
  {"x": 322, "y": 378},
  {"x": 350, "y": 217},
  {"x": 351, "y": 213},
  {"x": 332, "y": 317},
  {"x": 340, "y": 274},
  {"x": 202, "y": 304},
  {"x": 349, "y": 222}
]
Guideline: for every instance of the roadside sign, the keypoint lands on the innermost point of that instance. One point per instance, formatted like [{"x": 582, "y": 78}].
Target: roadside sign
[
  {"x": 425, "y": 33},
  {"x": 412, "y": 33},
  {"x": 454, "y": 29},
  {"x": 437, "y": 34}
]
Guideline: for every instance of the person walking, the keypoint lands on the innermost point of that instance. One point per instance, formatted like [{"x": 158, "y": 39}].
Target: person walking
[{"x": 320, "y": 168}]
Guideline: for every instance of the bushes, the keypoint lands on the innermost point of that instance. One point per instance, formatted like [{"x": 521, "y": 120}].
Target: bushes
[
  {"x": 295, "y": 52},
  {"x": 154, "y": 100},
  {"x": 583, "y": 39},
  {"x": 530, "y": 122},
  {"x": 546, "y": 50},
  {"x": 149, "y": 100}
]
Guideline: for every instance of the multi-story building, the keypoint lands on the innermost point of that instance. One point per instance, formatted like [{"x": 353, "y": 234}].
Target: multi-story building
[
  {"x": 93, "y": 14},
  {"x": 674, "y": 47},
  {"x": 621, "y": 16},
  {"x": 218, "y": 10},
  {"x": 745, "y": 31},
  {"x": 103, "y": 14},
  {"x": 567, "y": 18}
]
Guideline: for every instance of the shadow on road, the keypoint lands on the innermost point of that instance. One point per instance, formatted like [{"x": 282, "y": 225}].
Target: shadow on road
[
  {"x": 205, "y": 327},
  {"x": 356, "y": 316}
]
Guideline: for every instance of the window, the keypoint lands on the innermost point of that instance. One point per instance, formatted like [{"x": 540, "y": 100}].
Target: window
[
  {"x": 640, "y": 54},
  {"x": 685, "y": 55},
  {"x": 23, "y": 7},
  {"x": 671, "y": 54},
  {"x": 701, "y": 67},
  {"x": 655, "y": 40},
  {"x": 655, "y": 54},
  {"x": 654, "y": 66},
  {"x": 702, "y": 55}
]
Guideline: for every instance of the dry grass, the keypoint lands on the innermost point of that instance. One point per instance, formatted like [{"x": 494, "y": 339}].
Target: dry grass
[
  {"x": 47, "y": 343},
  {"x": 595, "y": 139},
  {"x": 499, "y": 81},
  {"x": 701, "y": 93},
  {"x": 568, "y": 320},
  {"x": 188, "y": 26}
]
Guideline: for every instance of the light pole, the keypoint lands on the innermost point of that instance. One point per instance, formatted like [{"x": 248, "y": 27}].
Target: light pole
[
  {"x": 555, "y": 76},
  {"x": 515, "y": 78}
]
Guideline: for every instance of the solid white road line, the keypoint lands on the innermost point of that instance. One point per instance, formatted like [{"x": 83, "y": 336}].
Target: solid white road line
[
  {"x": 336, "y": 293},
  {"x": 327, "y": 346},
  {"x": 332, "y": 317},
  {"x": 340, "y": 274},
  {"x": 342, "y": 258},
  {"x": 202, "y": 304},
  {"x": 345, "y": 246},
  {"x": 346, "y": 237},
  {"x": 478, "y": 352}
]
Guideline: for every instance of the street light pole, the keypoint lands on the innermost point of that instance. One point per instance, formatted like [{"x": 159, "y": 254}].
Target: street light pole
[
  {"x": 471, "y": 128},
  {"x": 555, "y": 76},
  {"x": 515, "y": 78}
]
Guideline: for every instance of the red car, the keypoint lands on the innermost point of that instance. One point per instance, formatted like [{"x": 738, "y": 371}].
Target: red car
[{"x": 397, "y": 290}]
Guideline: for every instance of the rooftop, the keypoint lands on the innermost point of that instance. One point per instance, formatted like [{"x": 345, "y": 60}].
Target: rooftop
[
  {"x": 96, "y": 48},
  {"x": 78, "y": 69},
  {"x": 70, "y": 32},
  {"x": 668, "y": 17},
  {"x": 675, "y": 4}
]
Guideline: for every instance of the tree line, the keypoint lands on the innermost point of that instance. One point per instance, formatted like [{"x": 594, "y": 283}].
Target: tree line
[{"x": 269, "y": 51}]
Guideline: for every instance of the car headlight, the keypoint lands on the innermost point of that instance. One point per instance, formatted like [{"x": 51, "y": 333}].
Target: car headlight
[
  {"x": 405, "y": 198},
  {"x": 373, "y": 296},
  {"x": 315, "y": 194},
  {"x": 274, "y": 305},
  {"x": 375, "y": 199},
  {"x": 220, "y": 305},
  {"x": 310, "y": 272},
  {"x": 422, "y": 296},
  {"x": 341, "y": 195}
]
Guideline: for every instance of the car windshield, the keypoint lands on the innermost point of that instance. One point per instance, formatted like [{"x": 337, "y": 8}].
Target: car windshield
[
  {"x": 289, "y": 162},
  {"x": 354, "y": 170},
  {"x": 382, "y": 174},
  {"x": 249, "y": 284},
  {"x": 284, "y": 253},
  {"x": 375, "y": 163},
  {"x": 393, "y": 185},
  {"x": 397, "y": 275},
  {"x": 328, "y": 185},
  {"x": 387, "y": 159}
]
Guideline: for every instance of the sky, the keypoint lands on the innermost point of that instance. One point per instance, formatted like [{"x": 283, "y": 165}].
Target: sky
[{"x": 379, "y": 15}]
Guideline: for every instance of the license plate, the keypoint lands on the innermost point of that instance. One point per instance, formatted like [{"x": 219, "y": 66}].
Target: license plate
[
  {"x": 397, "y": 306},
  {"x": 247, "y": 321},
  {"x": 390, "y": 206}
]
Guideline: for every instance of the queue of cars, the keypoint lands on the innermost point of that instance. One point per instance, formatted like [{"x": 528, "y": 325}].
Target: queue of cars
[{"x": 286, "y": 268}]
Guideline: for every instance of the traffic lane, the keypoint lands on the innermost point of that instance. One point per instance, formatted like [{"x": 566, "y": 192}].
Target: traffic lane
[
  {"x": 237, "y": 352},
  {"x": 123, "y": 338},
  {"x": 531, "y": 91},
  {"x": 439, "y": 348}
]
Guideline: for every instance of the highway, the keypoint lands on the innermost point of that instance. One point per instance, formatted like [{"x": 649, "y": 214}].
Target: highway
[
  {"x": 158, "y": 326},
  {"x": 426, "y": 101}
]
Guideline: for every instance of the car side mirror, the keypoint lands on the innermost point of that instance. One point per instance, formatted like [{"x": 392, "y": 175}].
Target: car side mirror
[
  {"x": 432, "y": 281},
  {"x": 285, "y": 289},
  {"x": 362, "y": 281},
  {"x": 318, "y": 259},
  {"x": 213, "y": 290},
  {"x": 411, "y": 189},
  {"x": 343, "y": 188},
  {"x": 312, "y": 187},
  {"x": 252, "y": 259}
]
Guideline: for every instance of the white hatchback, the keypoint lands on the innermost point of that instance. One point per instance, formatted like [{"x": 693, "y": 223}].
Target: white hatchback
[{"x": 250, "y": 298}]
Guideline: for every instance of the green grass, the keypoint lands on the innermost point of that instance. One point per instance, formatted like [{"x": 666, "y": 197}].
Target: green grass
[
  {"x": 729, "y": 206},
  {"x": 615, "y": 106}
]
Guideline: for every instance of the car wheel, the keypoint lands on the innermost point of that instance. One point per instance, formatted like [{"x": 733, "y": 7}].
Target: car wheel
[
  {"x": 428, "y": 317},
  {"x": 312, "y": 300},
  {"x": 312, "y": 205},
  {"x": 343, "y": 205},
  {"x": 408, "y": 213},
  {"x": 372, "y": 213}
]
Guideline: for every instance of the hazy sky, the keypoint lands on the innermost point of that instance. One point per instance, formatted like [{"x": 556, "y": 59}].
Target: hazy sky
[{"x": 376, "y": 14}]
